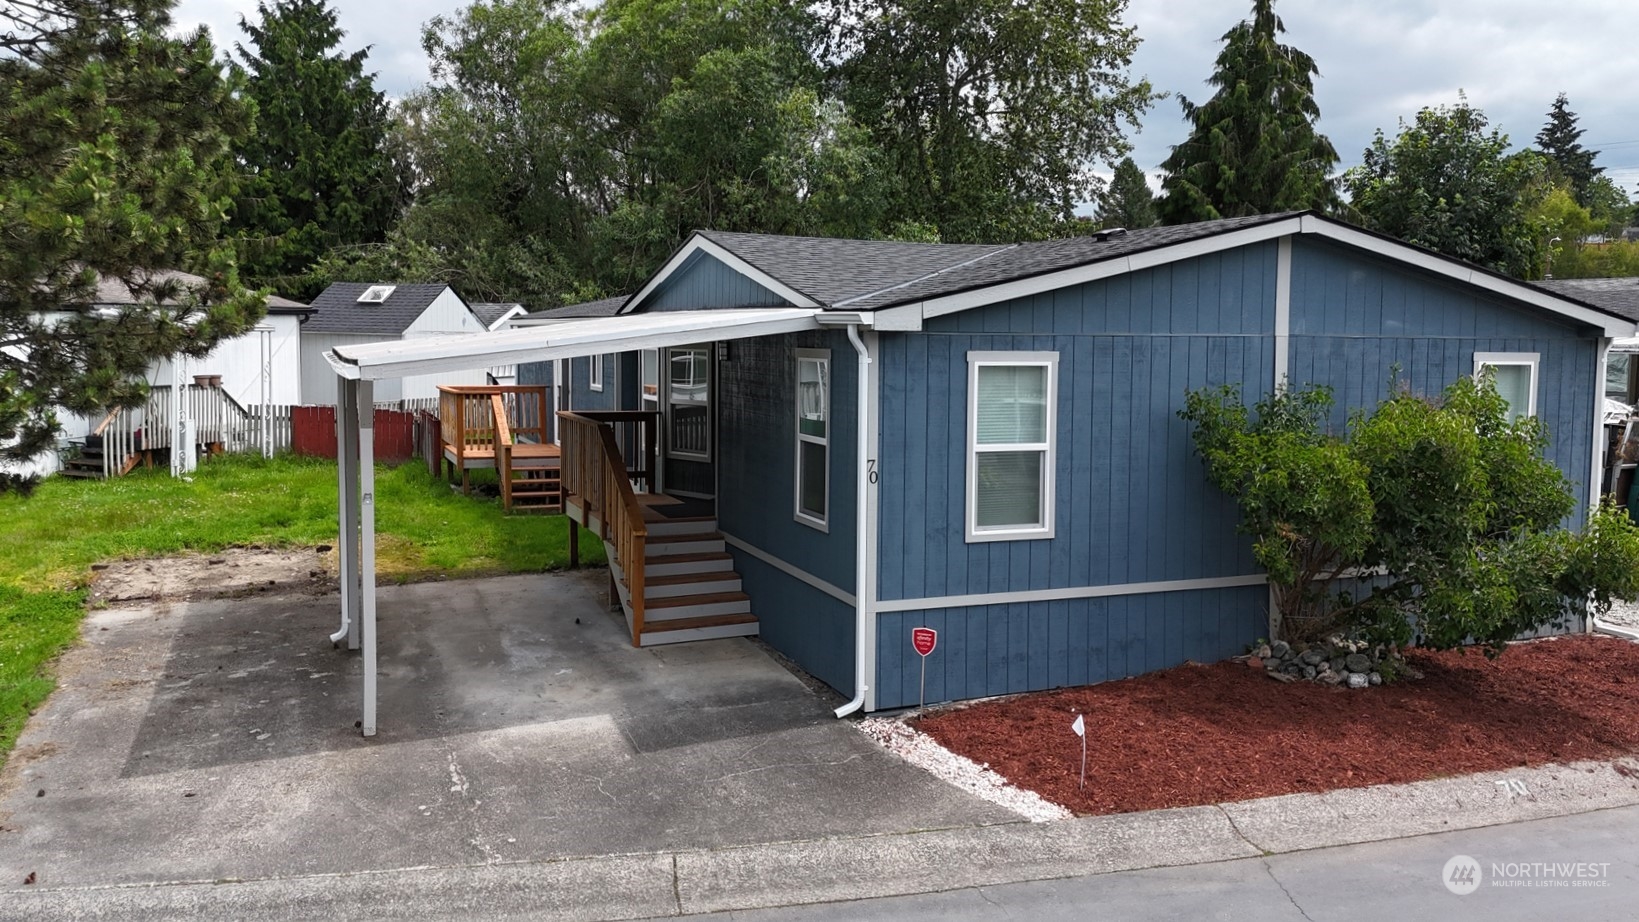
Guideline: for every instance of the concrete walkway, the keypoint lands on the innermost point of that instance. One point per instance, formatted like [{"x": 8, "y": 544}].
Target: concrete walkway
[{"x": 529, "y": 766}]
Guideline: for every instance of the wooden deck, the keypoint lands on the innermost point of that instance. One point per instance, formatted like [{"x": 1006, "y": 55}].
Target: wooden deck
[{"x": 502, "y": 428}]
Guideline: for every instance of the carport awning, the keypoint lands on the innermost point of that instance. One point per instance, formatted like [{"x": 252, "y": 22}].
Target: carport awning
[{"x": 570, "y": 339}]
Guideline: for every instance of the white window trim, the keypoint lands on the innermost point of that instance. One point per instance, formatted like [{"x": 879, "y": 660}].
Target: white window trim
[
  {"x": 643, "y": 381},
  {"x": 975, "y": 361},
  {"x": 1531, "y": 360},
  {"x": 594, "y": 372},
  {"x": 711, "y": 400},
  {"x": 812, "y": 521}
]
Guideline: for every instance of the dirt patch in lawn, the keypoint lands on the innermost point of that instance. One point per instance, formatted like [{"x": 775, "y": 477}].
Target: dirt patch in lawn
[
  {"x": 1225, "y": 732},
  {"x": 232, "y": 573}
]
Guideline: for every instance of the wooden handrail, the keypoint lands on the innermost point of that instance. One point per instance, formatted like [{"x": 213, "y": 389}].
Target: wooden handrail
[
  {"x": 503, "y": 449},
  {"x": 107, "y": 419},
  {"x": 594, "y": 471}
]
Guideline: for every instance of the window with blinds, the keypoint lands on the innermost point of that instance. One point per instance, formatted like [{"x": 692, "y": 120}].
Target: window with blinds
[
  {"x": 813, "y": 480},
  {"x": 1011, "y": 397},
  {"x": 1514, "y": 374}
]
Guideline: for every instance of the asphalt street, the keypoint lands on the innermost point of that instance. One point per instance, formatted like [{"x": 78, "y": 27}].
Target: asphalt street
[{"x": 1525, "y": 874}]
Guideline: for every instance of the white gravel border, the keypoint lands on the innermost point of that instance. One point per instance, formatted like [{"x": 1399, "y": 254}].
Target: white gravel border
[{"x": 921, "y": 750}]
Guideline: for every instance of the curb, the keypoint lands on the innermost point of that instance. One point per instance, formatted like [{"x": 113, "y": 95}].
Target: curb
[{"x": 692, "y": 881}]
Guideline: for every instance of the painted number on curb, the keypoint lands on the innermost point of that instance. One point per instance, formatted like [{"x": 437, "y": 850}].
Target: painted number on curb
[{"x": 1513, "y": 787}]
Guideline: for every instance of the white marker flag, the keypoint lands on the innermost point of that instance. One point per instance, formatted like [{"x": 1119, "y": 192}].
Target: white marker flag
[{"x": 1080, "y": 727}]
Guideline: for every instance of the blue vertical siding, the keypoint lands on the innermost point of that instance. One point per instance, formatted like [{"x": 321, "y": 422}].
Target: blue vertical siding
[
  {"x": 757, "y": 453},
  {"x": 1431, "y": 329},
  {"x": 757, "y": 498},
  {"x": 1004, "y": 649},
  {"x": 581, "y": 395},
  {"x": 704, "y": 283}
]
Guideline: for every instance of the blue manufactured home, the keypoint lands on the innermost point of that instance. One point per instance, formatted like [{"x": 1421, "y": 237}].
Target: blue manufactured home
[{"x": 851, "y": 439}]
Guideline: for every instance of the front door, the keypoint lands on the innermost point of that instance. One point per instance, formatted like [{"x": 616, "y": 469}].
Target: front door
[{"x": 688, "y": 419}]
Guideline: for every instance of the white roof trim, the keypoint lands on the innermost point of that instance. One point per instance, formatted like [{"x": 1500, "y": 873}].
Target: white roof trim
[
  {"x": 516, "y": 310},
  {"x": 1462, "y": 272},
  {"x": 570, "y": 339},
  {"x": 1090, "y": 272},
  {"x": 700, "y": 244},
  {"x": 904, "y": 316}
]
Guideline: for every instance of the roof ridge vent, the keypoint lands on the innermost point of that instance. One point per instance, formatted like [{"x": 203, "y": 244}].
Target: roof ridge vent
[
  {"x": 376, "y": 294},
  {"x": 1109, "y": 233}
]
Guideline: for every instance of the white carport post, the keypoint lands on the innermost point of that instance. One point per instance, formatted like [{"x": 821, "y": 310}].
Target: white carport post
[{"x": 355, "y": 443}]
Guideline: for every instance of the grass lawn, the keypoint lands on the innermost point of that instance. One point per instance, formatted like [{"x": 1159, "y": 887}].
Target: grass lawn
[{"x": 52, "y": 538}]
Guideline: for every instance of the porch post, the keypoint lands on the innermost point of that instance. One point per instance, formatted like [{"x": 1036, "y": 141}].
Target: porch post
[
  {"x": 366, "y": 447},
  {"x": 347, "y": 542}
]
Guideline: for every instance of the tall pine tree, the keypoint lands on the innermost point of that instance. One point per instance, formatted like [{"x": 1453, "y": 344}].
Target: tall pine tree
[
  {"x": 115, "y": 165},
  {"x": 1127, "y": 201},
  {"x": 320, "y": 173},
  {"x": 1560, "y": 140},
  {"x": 1253, "y": 147}
]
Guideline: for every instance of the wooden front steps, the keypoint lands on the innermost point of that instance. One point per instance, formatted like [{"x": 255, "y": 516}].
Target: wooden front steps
[
  {"x": 690, "y": 588},
  {"x": 89, "y": 464}
]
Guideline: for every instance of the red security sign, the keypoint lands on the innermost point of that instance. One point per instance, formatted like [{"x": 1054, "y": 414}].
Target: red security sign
[{"x": 924, "y": 639}]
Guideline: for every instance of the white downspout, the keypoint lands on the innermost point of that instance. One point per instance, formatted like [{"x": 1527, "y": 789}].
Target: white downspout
[{"x": 864, "y": 589}]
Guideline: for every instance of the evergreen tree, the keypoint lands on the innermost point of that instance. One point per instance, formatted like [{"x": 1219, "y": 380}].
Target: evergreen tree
[
  {"x": 1252, "y": 147},
  {"x": 1559, "y": 140},
  {"x": 320, "y": 176},
  {"x": 115, "y": 165},
  {"x": 1127, "y": 202}
]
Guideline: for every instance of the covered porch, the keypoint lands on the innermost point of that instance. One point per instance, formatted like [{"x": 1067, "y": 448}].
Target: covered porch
[{"x": 670, "y": 570}]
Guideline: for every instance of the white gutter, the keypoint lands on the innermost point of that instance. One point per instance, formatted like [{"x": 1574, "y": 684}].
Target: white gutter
[{"x": 864, "y": 575}]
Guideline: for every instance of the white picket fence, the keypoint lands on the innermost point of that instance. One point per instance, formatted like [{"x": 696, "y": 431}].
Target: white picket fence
[{"x": 220, "y": 423}]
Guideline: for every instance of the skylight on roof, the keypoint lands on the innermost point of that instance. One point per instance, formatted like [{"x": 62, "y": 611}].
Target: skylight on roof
[{"x": 376, "y": 294}]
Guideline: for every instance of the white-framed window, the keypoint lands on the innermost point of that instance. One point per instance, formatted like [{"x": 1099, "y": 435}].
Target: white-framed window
[
  {"x": 1515, "y": 375},
  {"x": 688, "y": 403},
  {"x": 594, "y": 372},
  {"x": 813, "y": 464},
  {"x": 1010, "y": 425}
]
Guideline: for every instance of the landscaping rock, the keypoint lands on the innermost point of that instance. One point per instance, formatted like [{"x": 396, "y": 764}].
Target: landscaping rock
[
  {"x": 1358, "y": 680},
  {"x": 1336, "y": 664},
  {"x": 1263, "y": 651},
  {"x": 1280, "y": 676},
  {"x": 1280, "y": 648},
  {"x": 1376, "y": 678},
  {"x": 1313, "y": 657},
  {"x": 1309, "y": 672},
  {"x": 1358, "y": 662}
]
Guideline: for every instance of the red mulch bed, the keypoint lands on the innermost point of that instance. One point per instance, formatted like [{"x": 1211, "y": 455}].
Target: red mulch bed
[{"x": 1212, "y": 734}]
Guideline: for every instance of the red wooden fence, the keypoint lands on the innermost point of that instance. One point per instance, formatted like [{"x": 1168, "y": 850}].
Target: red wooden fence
[{"x": 313, "y": 433}]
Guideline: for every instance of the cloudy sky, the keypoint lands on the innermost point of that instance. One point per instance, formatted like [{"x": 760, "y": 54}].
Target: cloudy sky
[{"x": 1380, "y": 60}]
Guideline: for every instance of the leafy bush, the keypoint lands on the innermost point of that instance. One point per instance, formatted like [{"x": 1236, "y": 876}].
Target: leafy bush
[{"x": 1443, "y": 513}]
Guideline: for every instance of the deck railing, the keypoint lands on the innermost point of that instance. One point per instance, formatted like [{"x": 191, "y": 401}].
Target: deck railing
[{"x": 596, "y": 474}]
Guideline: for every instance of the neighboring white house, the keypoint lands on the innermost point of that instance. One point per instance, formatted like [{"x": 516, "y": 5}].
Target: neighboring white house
[
  {"x": 262, "y": 366},
  {"x": 349, "y": 313},
  {"x": 498, "y": 316}
]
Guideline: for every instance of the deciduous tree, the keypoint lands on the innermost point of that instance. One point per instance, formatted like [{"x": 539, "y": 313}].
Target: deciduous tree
[{"x": 1447, "y": 182}]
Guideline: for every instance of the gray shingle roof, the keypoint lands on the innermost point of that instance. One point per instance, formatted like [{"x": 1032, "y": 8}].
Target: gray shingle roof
[
  {"x": 336, "y": 309},
  {"x": 831, "y": 270},
  {"x": 490, "y": 311},
  {"x": 114, "y": 291},
  {"x": 873, "y": 274},
  {"x": 1614, "y": 296},
  {"x": 605, "y": 307}
]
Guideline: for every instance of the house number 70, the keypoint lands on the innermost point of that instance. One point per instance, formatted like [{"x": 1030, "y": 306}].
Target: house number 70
[{"x": 870, "y": 471}]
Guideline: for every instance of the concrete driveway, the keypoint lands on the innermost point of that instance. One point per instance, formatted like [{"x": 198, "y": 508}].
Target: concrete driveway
[{"x": 198, "y": 741}]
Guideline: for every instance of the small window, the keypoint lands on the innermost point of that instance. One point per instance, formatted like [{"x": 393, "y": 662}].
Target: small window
[
  {"x": 594, "y": 373},
  {"x": 376, "y": 294},
  {"x": 1515, "y": 376},
  {"x": 1010, "y": 423},
  {"x": 813, "y": 481},
  {"x": 1618, "y": 374},
  {"x": 688, "y": 403}
]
